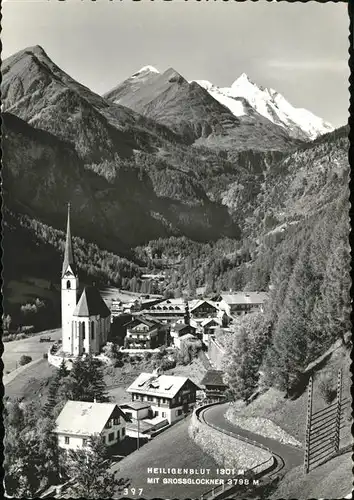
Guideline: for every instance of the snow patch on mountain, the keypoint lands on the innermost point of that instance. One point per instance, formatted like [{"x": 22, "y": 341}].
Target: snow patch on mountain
[
  {"x": 269, "y": 103},
  {"x": 233, "y": 104},
  {"x": 145, "y": 69}
]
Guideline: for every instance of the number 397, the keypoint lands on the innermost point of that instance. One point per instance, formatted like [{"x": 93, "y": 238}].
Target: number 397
[{"x": 133, "y": 491}]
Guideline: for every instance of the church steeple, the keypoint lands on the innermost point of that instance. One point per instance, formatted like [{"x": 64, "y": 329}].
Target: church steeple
[{"x": 68, "y": 254}]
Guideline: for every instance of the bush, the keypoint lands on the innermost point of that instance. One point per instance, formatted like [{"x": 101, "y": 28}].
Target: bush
[
  {"x": 167, "y": 363},
  {"x": 6, "y": 338},
  {"x": 24, "y": 360},
  {"x": 327, "y": 387}
]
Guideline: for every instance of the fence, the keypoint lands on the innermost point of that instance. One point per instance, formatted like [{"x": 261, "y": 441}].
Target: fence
[
  {"x": 323, "y": 427},
  {"x": 269, "y": 467}
]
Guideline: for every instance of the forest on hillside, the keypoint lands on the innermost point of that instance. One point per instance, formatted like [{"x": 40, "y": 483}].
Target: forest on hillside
[{"x": 308, "y": 307}]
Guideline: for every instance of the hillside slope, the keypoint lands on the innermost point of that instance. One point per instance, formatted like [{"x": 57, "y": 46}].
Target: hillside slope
[{"x": 192, "y": 112}]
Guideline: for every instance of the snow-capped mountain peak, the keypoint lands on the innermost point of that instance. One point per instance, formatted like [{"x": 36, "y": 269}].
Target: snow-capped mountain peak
[
  {"x": 267, "y": 102},
  {"x": 146, "y": 69}
]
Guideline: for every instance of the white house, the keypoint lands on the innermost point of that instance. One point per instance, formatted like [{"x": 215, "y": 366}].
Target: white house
[
  {"x": 142, "y": 422},
  {"x": 85, "y": 323},
  {"x": 170, "y": 397},
  {"x": 79, "y": 420},
  {"x": 240, "y": 303}
]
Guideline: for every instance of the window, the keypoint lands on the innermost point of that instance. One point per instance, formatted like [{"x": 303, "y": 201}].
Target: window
[
  {"x": 67, "y": 440},
  {"x": 123, "y": 432},
  {"x": 68, "y": 284},
  {"x": 150, "y": 398},
  {"x": 83, "y": 331},
  {"x": 92, "y": 330},
  {"x": 179, "y": 412},
  {"x": 84, "y": 442},
  {"x": 108, "y": 424},
  {"x": 111, "y": 437},
  {"x": 118, "y": 435},
  {"x": 103, "y": 439},
  {"x": 176, "y": 413},
  {"x": 116, "y": 421},
  {"x": 163, "y": 414}
]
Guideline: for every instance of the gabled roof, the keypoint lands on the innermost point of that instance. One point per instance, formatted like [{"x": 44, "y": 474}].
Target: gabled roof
[
  {"x": 158, "y": 385},
  {"x": 177, "y": 304},
  {"x": 91, "y": 304},
  {"x": 85, "y": 418},
  {"x": 206, "y": 321},
  {"x": 201, "y": 302},
  {"x": 213, "y": 377},
  {"x": 68, "y": 262},
  {"x": 182, "y": 326},
  {"x": 140, "y": 319}
]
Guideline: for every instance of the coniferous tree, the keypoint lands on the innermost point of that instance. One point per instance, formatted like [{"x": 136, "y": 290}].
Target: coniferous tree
[
  {"x": 242, "y": 367},
  {"x": 91, "y": 470},
  {"x": 86, "y": 382},
  {"x": 63, "y": 370}
]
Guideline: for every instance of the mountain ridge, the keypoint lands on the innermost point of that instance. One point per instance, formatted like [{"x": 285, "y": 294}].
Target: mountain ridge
[{"x": 300, "y": 122}]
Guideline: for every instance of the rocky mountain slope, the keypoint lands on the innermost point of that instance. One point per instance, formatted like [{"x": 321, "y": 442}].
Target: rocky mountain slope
[
  {"x": 194, "y": 113},
  {"x": 246, "y": 98},
  {"x": 39, "y": 92},
  {"x": 42, "y": 173}
]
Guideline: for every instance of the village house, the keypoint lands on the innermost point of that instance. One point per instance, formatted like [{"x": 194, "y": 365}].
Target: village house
[
  {"x": 143, "y": 333},
  {"x": 189, "y": 339},
  {"x": 169, "y": 310},
  {"x": 240, "y": 303},
  {"x": 170, "y": 397},
  {"x": 180, "y": 329},
  {"x": 214, "y": 385},
  {"x": 203, "y": 309},
  {"x": 141, "y": 420},
  {"x": 80, "y": 420},
  {"x": 208, "y": 327}
]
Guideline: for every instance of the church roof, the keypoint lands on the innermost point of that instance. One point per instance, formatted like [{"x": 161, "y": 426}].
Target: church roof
[
  {"x": 68, "y": 253},
  {"x": 91, "y": 304}
]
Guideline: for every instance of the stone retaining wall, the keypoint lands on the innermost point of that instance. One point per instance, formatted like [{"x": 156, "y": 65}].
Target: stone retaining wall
[{"x": 228, "y": 451}]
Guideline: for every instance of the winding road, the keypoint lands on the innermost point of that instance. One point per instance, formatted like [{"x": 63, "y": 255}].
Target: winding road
[{"x": 290, "y": 455}]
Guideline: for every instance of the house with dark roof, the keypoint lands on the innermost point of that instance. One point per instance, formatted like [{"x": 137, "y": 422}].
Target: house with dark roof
[
  {"x": 180, "y": 329},
  {"x": 143, "y": 333},
  {"x": 85, "y": 322},
  {"x": 214, "y": 384}
]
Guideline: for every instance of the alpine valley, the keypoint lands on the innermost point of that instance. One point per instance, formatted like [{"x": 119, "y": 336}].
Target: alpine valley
[{"x": 158, "y": 165}]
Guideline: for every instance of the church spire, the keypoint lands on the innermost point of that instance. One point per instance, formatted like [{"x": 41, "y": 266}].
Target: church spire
[{"x": 68, "y": 254}]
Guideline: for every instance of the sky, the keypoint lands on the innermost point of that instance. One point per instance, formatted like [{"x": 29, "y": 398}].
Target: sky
[{"x": 298, "y": 49}]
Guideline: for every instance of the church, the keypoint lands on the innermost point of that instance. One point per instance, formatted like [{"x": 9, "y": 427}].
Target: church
[{"x": 85, "y": 322}]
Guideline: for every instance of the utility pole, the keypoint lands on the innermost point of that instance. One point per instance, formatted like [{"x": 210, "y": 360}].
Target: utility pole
[{"x": 138, "y": 433}]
